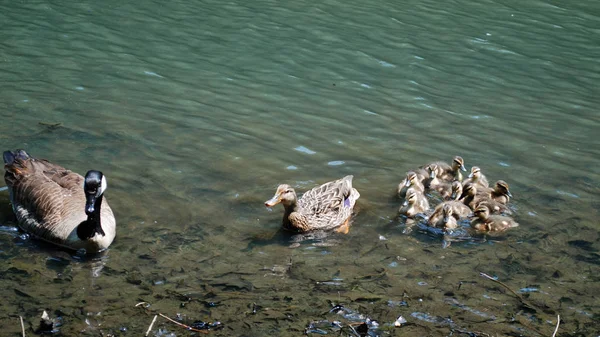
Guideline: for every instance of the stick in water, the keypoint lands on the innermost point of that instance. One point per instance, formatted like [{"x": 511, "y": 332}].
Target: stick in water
[
  {"x": 182, "y": 325},
  {"x": 151, "y": 325},
  {"x": 557, "y": 324},
  {"x": 23, "y": 326}
]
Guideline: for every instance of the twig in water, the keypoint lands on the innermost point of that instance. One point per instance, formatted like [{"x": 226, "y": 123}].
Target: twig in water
[
  {"x": 557, "y": 324},
  {"x": 182, "y": 325},
  {"x": 519, "y": 297},
  {"x": 151, "y": 325},
  {"x": 23, "y": 326}
]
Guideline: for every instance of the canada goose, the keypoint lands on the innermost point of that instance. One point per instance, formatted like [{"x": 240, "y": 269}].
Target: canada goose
[
  {"x": 57, "y": 205},
  {"x": 411, "y": 180},
  {"x": 414, "y": 203},
  {"x": 476, "y": 177},
  {"x": 324, "y": 207},
  {"x": 491, "y": 223}
]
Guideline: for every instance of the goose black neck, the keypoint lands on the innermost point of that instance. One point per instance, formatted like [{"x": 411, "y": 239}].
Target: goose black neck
[{"x": 87, "y": 229}]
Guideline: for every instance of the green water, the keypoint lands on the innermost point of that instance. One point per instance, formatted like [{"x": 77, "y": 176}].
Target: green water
[{"x": 196, "y": 111}]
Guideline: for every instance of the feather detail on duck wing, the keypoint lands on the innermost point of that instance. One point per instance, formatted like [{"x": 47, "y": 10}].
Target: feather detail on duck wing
[{"x": 326, "y": 206}]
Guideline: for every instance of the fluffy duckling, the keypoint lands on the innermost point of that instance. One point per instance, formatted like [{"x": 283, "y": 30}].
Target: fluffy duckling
[
  {"x": 501, "y": 193},
  {"x": 411, "y": 181},
  {"x": 469, "y": 195},
  {"x": 491, "y": 223},
  {"x": 473, "y": 198},
  {"x": 494, "y": 206},
  {"x": 458, "y": 210},
  {"x": 451, "y": 191},
  {"x": 449, "y": 172},
  {"x": 443, "y": 217},
  {"x": 431, "y": 181},
  {"x": 476, "y": 177},
  {"x": 414, "y": 203}
]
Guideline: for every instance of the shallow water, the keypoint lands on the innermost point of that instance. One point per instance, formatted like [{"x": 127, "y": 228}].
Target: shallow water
[{"x": 197, "y": 111}]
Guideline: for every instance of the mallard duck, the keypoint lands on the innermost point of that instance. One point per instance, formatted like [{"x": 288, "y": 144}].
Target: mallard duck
[
  {"x": 491, "y": 223},
  {"x": 324, "y": 207},
  {"x": 476, "y": 177},
  {"x": 414, "y": 203},
  {"x": 494, "y": 206},
  {"x": 443, "y": 217},
  {"x": 411, "y": 180},
  {"x": 57, "y": 205}
]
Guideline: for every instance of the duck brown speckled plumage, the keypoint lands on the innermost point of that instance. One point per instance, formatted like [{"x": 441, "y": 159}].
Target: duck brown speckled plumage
[{"x": 324, "y": 207}]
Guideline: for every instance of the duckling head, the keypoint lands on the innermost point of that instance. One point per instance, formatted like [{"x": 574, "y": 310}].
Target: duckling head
[
  {"x": 475, "y": 172},
  {"x": 432, "y": 168},
  {"x": 502, "y": 187},
  {"x": 457, "y": 189},
  {"x": 458, "y": 163},
  {"x": 285, "y": 194},
  {"x": 411, "y": 197},
  {"x": 447, "y": 210},
  {"x": 482, "y": 212},
  {"x": 411, "y": 178}
]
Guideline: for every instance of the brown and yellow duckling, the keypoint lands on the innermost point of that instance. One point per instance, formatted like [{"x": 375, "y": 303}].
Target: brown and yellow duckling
[
  {"x": 414, "y": 203},
  {"x": 447, "y": 172},
  {"x": 444, "y": 219},
  {"x": 456, "y": 209},
  {"x": 324, "y": 207},
  {"x": 476, "y": 177},
  {"x": 449, "y": 191},
  {"x": 491, "y": 223},
  {"x": 501, "y": 193},
  {"x": 472, "y": 197},
  {"x": 411, "y": 180}
]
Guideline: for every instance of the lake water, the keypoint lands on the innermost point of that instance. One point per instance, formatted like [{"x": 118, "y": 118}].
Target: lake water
[{"x": 196, "y": 111}]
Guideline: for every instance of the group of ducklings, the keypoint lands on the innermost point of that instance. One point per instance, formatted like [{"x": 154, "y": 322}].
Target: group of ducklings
[{"x": 469, "y": 198}]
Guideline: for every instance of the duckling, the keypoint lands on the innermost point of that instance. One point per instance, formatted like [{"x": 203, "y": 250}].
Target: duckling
[
  {"x": 449, "y": 172},
  {"x": 414, "y": 203},
  {"x": 469, "y": 195},
  {"x": 476, "y": 177},
  {"x": 494, "y": 206},
  {"x": 451, "y": 191},
  {"x": 431, "y": 181},
  {"x": 457, "y": 208},
  {"x": 501, "y": 193},
  {"x": 443, "y": 217},
  {"x": 491, "y": 223},
  {"x": 411, "y": 180}
]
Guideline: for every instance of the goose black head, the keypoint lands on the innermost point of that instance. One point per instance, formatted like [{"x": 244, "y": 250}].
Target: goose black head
[{"x": 94, "y": 186}]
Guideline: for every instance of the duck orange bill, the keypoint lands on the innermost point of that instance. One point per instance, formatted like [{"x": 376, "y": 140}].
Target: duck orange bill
[{"x": 273, "y": 201}]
